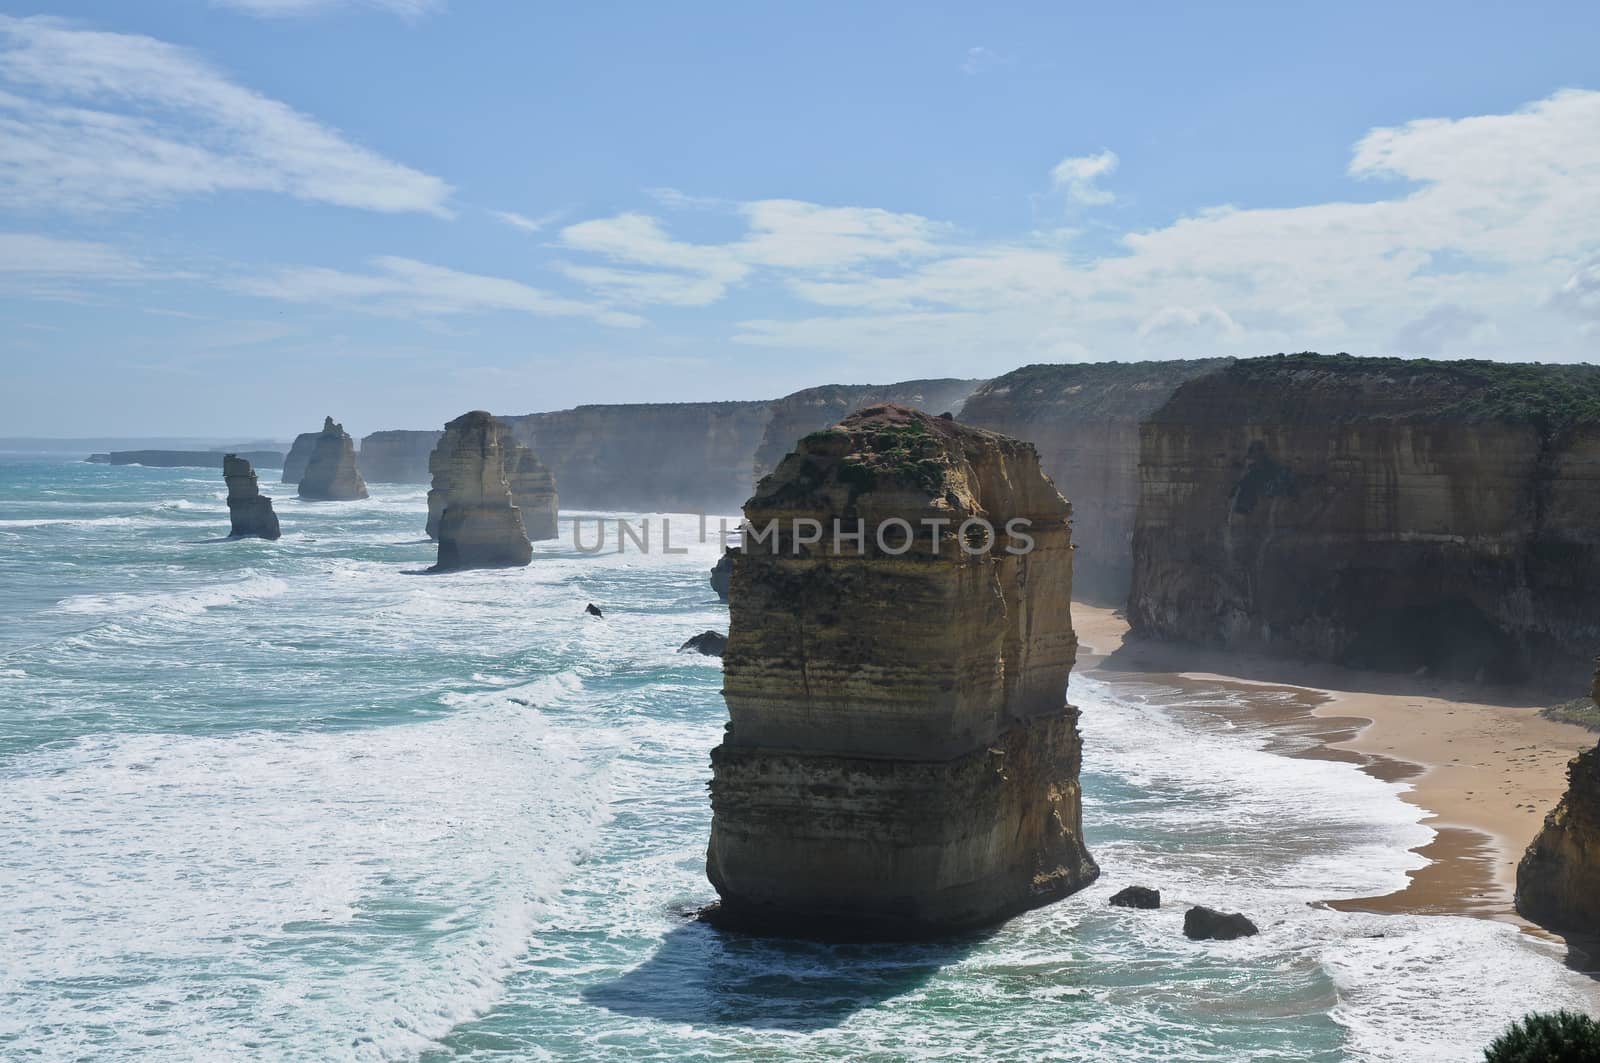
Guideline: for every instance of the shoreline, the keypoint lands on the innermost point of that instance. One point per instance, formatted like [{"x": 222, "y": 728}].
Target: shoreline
[{"x": 1482, "y": 763}]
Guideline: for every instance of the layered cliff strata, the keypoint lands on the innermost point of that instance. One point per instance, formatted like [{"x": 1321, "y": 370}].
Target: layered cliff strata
[
  {"x": 478, "y": 526},
  {"x": 804, "y": 412},
  {"x": 532, "y": 486},
  {"x": 294, "y": 463},
  {"x": 1558, "y": 880},
  {"x": 1084, "y": 419},
  {"x": 331, "y": 474},
  {"x": 249, "y": 511},
  {"x": 900, "y": 759},
  {"x": 397, "y": 457},
  {"x": 1376, "y": 512}
]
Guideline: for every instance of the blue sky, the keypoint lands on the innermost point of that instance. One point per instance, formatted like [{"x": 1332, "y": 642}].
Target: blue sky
[{"x": 232, "y": 217}]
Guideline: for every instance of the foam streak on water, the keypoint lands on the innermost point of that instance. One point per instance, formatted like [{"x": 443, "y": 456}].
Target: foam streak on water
[{"x": 292, "y": 801}]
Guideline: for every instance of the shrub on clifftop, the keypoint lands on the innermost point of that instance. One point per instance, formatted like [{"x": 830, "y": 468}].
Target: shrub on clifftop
[{"x": 1547, "y": 1037}]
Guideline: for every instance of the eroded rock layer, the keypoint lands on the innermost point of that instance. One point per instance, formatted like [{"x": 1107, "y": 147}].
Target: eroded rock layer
[
  {"x": 250, "y": 512},
  {"x": 294, "y": 464},
  {"x": 532, "y": 486},
  {"x": 1380, "y": 513},
  {"x": 331, "y": 474},
  {"x": 1084, "y": 419},
  {"x": 900, "y": 759},
  {"x": 397, "y": 457},
  {"x": 478, "y": 525},
  {"x": 1558, "y": 880}
]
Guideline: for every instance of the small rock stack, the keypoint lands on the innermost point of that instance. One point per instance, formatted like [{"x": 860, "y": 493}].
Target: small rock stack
[
  {"x": 249, "y": 511},
  {"x": 331, "y": 474}
]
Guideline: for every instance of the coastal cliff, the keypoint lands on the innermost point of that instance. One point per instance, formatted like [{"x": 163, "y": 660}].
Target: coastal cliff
[
  {"x": 1387, "y": 514},
  {"x": 478, "y": 525},
  {"x": 671, "y": 457},
  {"x": 186, "y": 459},
  {"x": 532, "y": 486},
  {"x": 804, "y": 412},
  {"x": 397, "y": 456},
  {"x": 1558, "y": 880},
  {"x": 294, "y": 465},
  {"x": 900, "y": 759},
  {"x": 1084, "y": 419},
  {"x": 331, "y": 474},
  {"x": 249, "y": 511}
]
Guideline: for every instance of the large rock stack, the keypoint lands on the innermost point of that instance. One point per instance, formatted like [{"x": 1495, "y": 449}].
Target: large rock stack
[
  {"x": 1558, "y": 880},
  {"x": 901, "y": 760},
  {"x": 331, "y": 474},
  {"x": 249, "y": 511},
  {"x": 478, "y": 526},
  {"x": 533, "y": 488}
]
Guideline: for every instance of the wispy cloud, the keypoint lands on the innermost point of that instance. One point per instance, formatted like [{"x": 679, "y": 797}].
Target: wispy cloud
[
  {"x": 979, "y": 59},
  {"x": 525, "y": 223},
  {"x": 41, "y": 255},
  {"x": 91, "y": 121},
  {"x": 1078, "y": 177},
  {"x": 406, "y": 9},
  {"x": 404, "y": 287}
]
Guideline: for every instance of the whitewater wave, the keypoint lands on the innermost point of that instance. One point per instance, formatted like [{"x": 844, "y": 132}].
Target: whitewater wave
[{"x": 176, "y": 604}]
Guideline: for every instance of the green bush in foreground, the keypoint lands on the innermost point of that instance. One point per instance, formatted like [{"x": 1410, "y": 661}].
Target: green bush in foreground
[{"x": 1547, "y": 1037}]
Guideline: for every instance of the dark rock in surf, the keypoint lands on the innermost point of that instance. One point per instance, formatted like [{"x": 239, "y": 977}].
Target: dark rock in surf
[
  {"x": 593, "y": 610},
  {"x": 1207, "y": 924},
  {"x": 710, "y": 643},
  {"x": 1136, "y": 897}
]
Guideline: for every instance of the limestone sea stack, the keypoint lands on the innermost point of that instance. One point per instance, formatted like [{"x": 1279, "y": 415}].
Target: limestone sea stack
[
  {"x": 294, "y": 464},
  {"x": 532, "y": 486},
  {"x": 901, "y": 761},
  {"x": 331, "y": 474},
  {"x": 1558, "y": 880},
  {"x": 478, "y": 525},
  {"x": 249, "y": 511}
]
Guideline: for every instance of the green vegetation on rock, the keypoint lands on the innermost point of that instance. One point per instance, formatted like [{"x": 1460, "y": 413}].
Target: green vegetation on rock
[{"x": 1547, "y": 1037}]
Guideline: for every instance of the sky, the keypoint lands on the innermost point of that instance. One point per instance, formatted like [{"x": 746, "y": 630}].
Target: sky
[{"x": 231, "y": 217}]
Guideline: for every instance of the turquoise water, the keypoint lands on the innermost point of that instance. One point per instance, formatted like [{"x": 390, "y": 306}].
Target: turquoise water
[{"x": 295, "y": 801}]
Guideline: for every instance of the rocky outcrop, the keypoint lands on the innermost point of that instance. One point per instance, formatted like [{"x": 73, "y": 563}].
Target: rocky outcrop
[
  {"x": 1207, "y": 924},
  {"x": 478, "y": 527},
  {"x": 722, "y": 572},
  {"x": 331, "y": 474},
  {"x": 900, "y": 759},
  {"x": 1558, "y": 880},
  {"x": 188, "y": 459},
  {"x": 667, "y": 457},
  {"x": 397, "y": 457},
  {"x": 294, "y": 465},
  {"x": 804, "y": 412},
  {"x": 708, "y": 643},
  {"x": 532, "y": 487},
  {"x": 1136, "y": 897},
  {"x": 1380, "y": 513},
  {"x": 1084, "y": 419},
  {"x": 249, "y": 511}
]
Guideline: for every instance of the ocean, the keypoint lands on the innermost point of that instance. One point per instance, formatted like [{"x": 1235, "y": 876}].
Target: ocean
[{"x": 298, "y": 801}]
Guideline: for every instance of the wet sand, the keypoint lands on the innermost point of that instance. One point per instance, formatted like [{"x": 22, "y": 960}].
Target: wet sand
[{"x": 1482, "y": 762}]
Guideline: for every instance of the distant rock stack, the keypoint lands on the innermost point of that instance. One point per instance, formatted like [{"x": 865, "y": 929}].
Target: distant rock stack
[
  {"x": 532, "y": 486},
  {"x": 901, "y": 760},
  {"x": 331, "y": 474},
  {"x": 1558, "y": 880},
  {"x": 478, "y": 526},
  {"x": 294, "y": 465},
  {"x": 249, "y": 510}
]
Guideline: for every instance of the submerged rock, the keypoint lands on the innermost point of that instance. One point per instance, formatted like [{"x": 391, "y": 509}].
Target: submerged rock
[
  {"x": 710, "y": 643},
  {"x": 901, "y": 760},
  {"x": 331, "y": 474},
  {"x": 1207, "y": 924},
  {"x": 478, "y": 526},
  {"x": 1136, "y": 897},
  {"x": 249, "y": 511},
  {"x": 1558, "y": 879}
]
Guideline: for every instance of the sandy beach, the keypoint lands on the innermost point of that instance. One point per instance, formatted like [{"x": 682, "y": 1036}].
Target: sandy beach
[{"x": 1482, "y": 761}]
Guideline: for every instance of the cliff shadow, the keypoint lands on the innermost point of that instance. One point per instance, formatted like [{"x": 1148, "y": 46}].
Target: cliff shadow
[{"x": 705, "y": 976}]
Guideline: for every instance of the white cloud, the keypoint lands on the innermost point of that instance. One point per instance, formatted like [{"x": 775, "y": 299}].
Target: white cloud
[
  {"x": 979, "y": 59},
  {"x": 1077, "y": 176},
  {"x": 40, "y": 255},
  {"x": 406, "y": 9},
  {"x": 1188, "y": 319},
  {"x": 404, "y": 287},
  {"x": 92, "y": 121},
  {"x": 1580, "y": 293},
  {"x": 525, "y": 223},
  {"x": 1439, "y": 330}
]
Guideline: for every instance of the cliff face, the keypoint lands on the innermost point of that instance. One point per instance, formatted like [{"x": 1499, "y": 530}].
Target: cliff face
[
  {"x": 670, "y": 457},
  {"x": 804, "y": 412},
  {"x": 1380, "y": 513},
  {"x": 331, "y": 474},
  {"x": 249, "y": 511},
  {"x": 1558, "y": 877},
  {"x": 294, "y": 465},
  {"x": 187, "y": 459},
  {"x": 900, "y": 760},
  {"x": 478, "y": 525},
  {"x": 397, "y": 457},
  {"x": 1084, "y": 419},
  {"x": 532, "y": 487}
]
